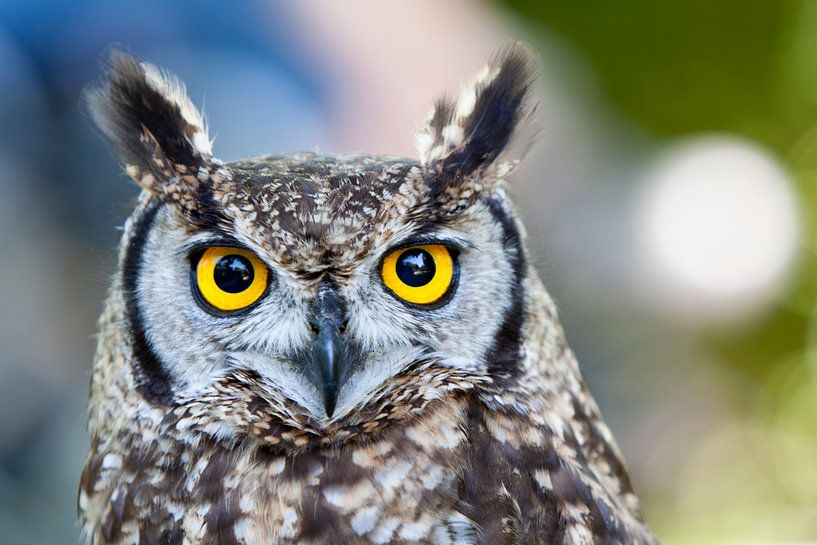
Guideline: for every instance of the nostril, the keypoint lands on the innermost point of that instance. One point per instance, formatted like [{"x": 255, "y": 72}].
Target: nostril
[{"x": 315, "y": 326}]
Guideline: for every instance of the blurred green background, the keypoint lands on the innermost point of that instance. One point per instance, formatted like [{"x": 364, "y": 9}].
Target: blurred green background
[
  {"x": 669, "y": 207},
  {"x": 748, "y": 69}
]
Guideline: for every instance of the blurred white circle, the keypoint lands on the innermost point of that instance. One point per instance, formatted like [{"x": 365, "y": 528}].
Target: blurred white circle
[{"x": 718, "y": 226}]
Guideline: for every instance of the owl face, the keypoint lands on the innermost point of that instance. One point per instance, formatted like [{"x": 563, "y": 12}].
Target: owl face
[{"x": 300, "y": 292}]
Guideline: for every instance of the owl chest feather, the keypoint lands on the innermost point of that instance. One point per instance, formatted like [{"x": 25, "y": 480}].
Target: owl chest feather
[
  {"x": 401, "y": 487},
  {"x": 461, "y": 474}
]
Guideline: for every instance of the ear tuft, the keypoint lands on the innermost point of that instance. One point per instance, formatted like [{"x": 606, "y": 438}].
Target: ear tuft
[
  {"x": 161, "y": 138},
  {"x": 476, "y": 132}
]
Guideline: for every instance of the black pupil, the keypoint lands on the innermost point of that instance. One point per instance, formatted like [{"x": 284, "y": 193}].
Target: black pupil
[
  {"x": 416, "y": 267},
  {"x": 233, "y": 273}
]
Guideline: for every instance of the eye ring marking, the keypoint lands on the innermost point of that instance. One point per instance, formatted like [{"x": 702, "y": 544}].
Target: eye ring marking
[
  {"x": 230, "y": 279},
  {"x": 421, "y": 275}
]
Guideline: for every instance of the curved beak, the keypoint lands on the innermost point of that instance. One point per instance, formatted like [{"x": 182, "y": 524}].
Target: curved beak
[{"x": 328, "y": 363}]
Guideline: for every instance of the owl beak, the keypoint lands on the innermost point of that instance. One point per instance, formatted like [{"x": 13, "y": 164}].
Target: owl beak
[{"x": 329, "y": 362}]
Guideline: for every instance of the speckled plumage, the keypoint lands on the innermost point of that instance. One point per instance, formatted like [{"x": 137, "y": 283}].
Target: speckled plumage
[{"x": 464, "y": 424}]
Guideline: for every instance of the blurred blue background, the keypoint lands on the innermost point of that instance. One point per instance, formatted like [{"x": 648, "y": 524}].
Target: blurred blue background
[{"x": 669, "y": 206}]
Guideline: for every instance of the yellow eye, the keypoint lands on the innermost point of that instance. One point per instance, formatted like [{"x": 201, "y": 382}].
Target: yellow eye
[
  {"x": 230, "y": 278},
  {"x": 421, "y": 275}
]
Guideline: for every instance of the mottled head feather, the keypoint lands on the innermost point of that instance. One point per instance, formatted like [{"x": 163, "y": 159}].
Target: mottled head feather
[
  {"x": 161, "y": 138},
  {"x": 481, "y": 131}
]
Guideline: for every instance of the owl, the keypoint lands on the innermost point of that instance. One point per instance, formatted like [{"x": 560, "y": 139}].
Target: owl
[{"x": 337, "y": 349}]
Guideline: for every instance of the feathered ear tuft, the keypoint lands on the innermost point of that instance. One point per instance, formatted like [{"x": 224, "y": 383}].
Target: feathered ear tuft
[
  {"x": 480, "y": 131},
  {"x": 159, "y": 135}
]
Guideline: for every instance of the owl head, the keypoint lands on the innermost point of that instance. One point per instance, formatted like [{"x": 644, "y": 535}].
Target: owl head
[{"x": 304, "y": 298}]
